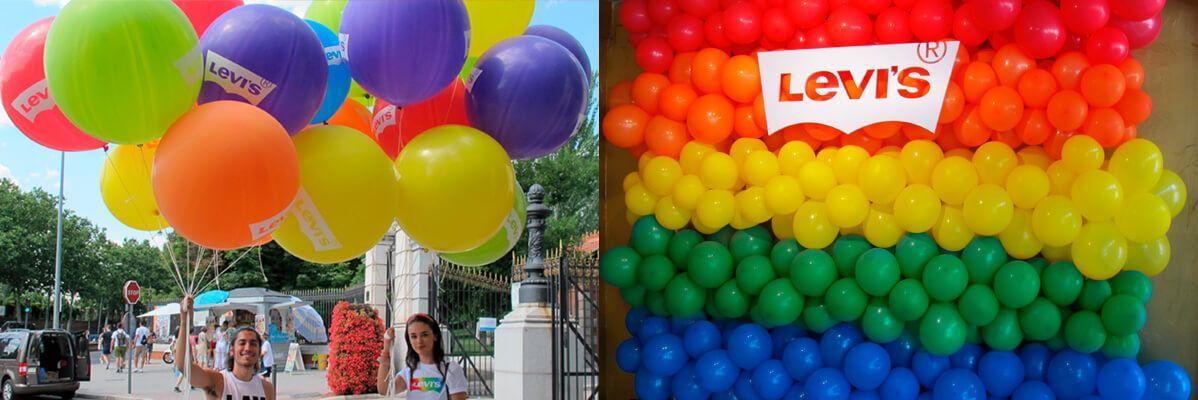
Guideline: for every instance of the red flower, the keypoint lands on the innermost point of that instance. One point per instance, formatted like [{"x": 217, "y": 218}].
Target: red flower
[{"x": 355, "y": 343}]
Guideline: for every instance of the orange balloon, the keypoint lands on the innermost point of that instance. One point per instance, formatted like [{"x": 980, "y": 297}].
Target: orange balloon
[
  {"x": 986, "y": 56},
  {"x": 759, "y": 112},
  {"x": 1001, "y": 108},
  {"x": 1068, "y": 69},
  {"x": 710, "y": 119},
  {"x": 647, "y": 88},
  {"x": 1056, "y": 142},
  {"x": 744, "y": 125},
  {"x": 624, "y": 126},
  {"x": 1105, "y": 125},
  {"x": 1103, "y": 85},
  {"x": 1010, "y": 138},
  {"x": 860, "y": 139},
  {"x": 1129, "y": 133},
  {"x": 740, "y": 79},
  {"x": 916, "y": 132},
  {"x": 354, "y": 115},
  {"x": 638, "y": 150},
  {"x": 948, "y": 141},
  {"x": 1034, "y": 128},
  {"x": 680, "y": 70},
  {"x": 1010, "y": 64},
  {"x": 1135, "y": 106},
  {"x": 959, "y": 64},
  {"x": 675, "y": 100},
  {"x": 1036, "y": 87},
  {"x": 821, "y": 132},
  {"x": 774, "y": 142},
  {"x": 665, "y": 137},
  {"x": 1133, "y": 72},
  {"x": 706, "y": 68},
  {"x": 796, "y": 132},
  {"x": 225, "y": 174},
  {"x": 979, "y": 77},
  {"x": 1067, "y": 110},
  {"x": 970, "y": 130},
  {"x": 954, "y": 103},
  {"x": 883, "y": 130},
  {"x": 619, "y": 94}
]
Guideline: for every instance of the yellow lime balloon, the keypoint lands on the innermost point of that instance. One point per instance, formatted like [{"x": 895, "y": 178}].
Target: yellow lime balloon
[
  {"x": 881, "y": 178},
  {"x": 783, "y": 195},
  {"x": 827, "y": 154},
  {"x": 848, "y": 162},
  {"x": 640, "y": 201},
  {"x": 741, "y": 148},
  {"x": 1099, "y": 251},
  {"x": 1148, "y": 257},
  {"x": 126, "y": 190},
  {"x": 715, "y": 208},
  {"x": 812, "y": 228},
  {"x": 950, "y": 232},
  {"x": 1138, "y": 165},
  {"x": 882, "y": 229},
  {"x": 692, "y": 155},
  {"x": 669, "y": 215},
  {"x": 687, "y": 191},
  {"x": 1055, "y": 253},
  {"x": 499, "y": 245},
  {"x": 953, "y": 178},
  {"x": 1018, "y": 239},
  {"x": 1027, "y": 184},
  {"x": 752, "y": 205},
  {"x": 783, "y": 226},
  {"x": 792, "y": 155},
  {"x": 1143, "y": 217},
  {"x": 456, "y": 186},
  {"x": 1097, "y": 195},
  {"x": 993, "y": 161},
  {"x": 1060, "y": 178},
  {"x": 847, "y": 206},
  {"x": 1172, "y": 190},
  {"x": 816, "y": 178},
  {"x": 919, "y": 158},
  {"x": 1082, "y": 153},
  {"x": 718, "y": 171},
  {"x": 917, "y": 208},
  {"x": 491, "y": 21},
  {"x": 1034, "y": 155},
  {"x": 759, "y": 167},
  {"x": 660, "y": 175},
  {"x": 1056, "y": 221},
  {"x": 988, "y": 209},
  {"x": 631, "y": 179},
  {"x": 347, "y": 196}
]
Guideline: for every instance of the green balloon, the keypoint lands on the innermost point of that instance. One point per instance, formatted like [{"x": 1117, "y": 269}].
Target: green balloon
[
  {"x": 812, "y": 271},
  {"x": 1094, "y": 295},
  {"x": 649, "y": 237},
  {"x": 656, "y": 271},
  {"x": 753, "y": 273},
  {"x": 846, "y": 301},
  {"x": 983, "y": 256},
  {"x": 709, "y": 264},
  {"x": 1056, "y": 343},
  {"x": 730, "y": 301},
  {"x": 1084, "y": 332},
  {"x": 1039, "y": 264},
  {"x": 783, "y": 254},
  {"x": 618, "y": 266},
  {"x": 761, "y": 231},
  {"x": 816, "y": 317},
  {"x": 755, "y": 316},
  {"x": 326, "y": 12},
  {"x": 655, "y": 301},
  {"x": 467, "y": 68},
  {"x": 684, "y": 298},
  {"x": 1121, "y": 346},
  {"x": 722, "y": 236},
  {"x": 945, "y": 277},
  {"x": 634, "y": 296},
  {"x": 745, "y": 244},
  {"x": 913, "y": 251},
  {"x": 973, "y": 334},
  {"x": 1003, "y": 333},
  {"x": 1016, "y": 284},
  {"x": 1133, "y": 283},
  {"x": 942, "y": 331},
  {"x": 877, "y": 271},
  {"x": 1123, "y": 314},
  {"x": 1040, "y": 320},
  {"x": 710, "y": 308},
  {"x": 909, "y": 300},
  {"x": 124, "y": 71},
  {"x": 680, "y": 246},
  {"x": 501, "y": 243},
  {"x": 1062, "y": 283},
  {"x": 846, "y": 250},
  {"x": 978, "y": 305},
  {"x": 880, "y": 324},
  {"x": 780, "y": 303},
  {"x": 356, "y": 93}
]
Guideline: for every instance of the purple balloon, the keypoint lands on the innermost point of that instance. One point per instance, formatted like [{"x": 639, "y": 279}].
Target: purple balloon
[
  {"x": 405, "y": 52},
  {"x": 268, "y": 57},
  {"x": 566, "y": 40},
  {"x": 529, "y": 93}
]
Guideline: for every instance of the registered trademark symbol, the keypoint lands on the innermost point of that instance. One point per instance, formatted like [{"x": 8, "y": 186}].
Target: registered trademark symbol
[{"x": 932, "y": 52}]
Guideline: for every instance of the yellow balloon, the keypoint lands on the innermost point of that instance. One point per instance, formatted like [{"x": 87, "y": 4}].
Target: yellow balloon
[
  {"x": 847, "y": 163},
  {"x": 846, "y": 205},
  {"x": 792, "y": 155},
  {"x": 759, "y": 167},
  {"x": 718, "y": 171},
  {"x": 953, "y": 178},
  {"x": 1099, "y": 251},
  {"x": 631, "y": 217},
  {"x": 692, "y": 155},
  {"x": 503, "y": 242},
  {"x": 882, "y": 229},
  {"x": 715, "y": 208},
  {"x": 1060, "y": 178},
  {"x": 1056, "y": 221},
  {"x": 661, "y": 173},
  {"x": 1172, "y": 190},
  {"x": 669, "y": 215},
  {"x": 1018, "y": 238},
  {"x": 325, "y": 223},
  {"x": 1027, "y": 184},
  {"x": 640, "y": 201},
  {"x": 919, "y": 158},
  {"x": 633, "y": 178},
  {"x": 1054, "y": 254},
  {"x": 753, "y": 206},
  {"x": 961, "y": 152},
  {"x": 1137, "y": 164},
  {"x": 893, "y": 151},
  {"x": 125, "y": 187},
  {"x": 783, "y": 195},
  {"x": 1034, "y": 155},
  {"x": 993, "y": 161},
  {"x": 816, "y": 179},
  {"x": 827, "y": 154},
  {"x": 950, "y": 232},
  {"x": 917, "y": 208},
  {"x": 739, "y": 222},
  {"x": 812, "y": 228},
  {"x": 687, "y": 192},
  {"x": 1097, "y": 195},
  {"x": 1082, "y": 153},
  {"x": 1148, "y": 257},
  {"x": 704, "y": 229},
  {"x": 742, "y": 147},
  {"x": 643, "y": 162},
  {"x": 783, "y": 226},
  {"x": 881, "y": 178},
  {"x": 1143, "y": 217},
  {"x": 988, "y": 209},
  {"x": 456, "y": 187},
  {"x": 493, "y": 21}
]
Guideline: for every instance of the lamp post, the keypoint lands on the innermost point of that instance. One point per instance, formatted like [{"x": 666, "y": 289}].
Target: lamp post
[{"x": 534, "y": 288}]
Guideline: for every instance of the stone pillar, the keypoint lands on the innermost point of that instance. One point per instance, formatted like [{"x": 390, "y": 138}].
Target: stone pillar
[
  {"x": 378, "y": 272},
  {"x": 523, "y": 359}
]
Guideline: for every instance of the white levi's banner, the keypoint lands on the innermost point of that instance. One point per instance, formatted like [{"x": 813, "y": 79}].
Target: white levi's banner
[
  {"x": 333, "y": 54},
  {"x": 848, "y": 88},
  {"x": 385, "y": 118},
  {"x": 34, "y": 100},
  {"x": 236, "y": 79},
  {"x": 312, "y": 224}
]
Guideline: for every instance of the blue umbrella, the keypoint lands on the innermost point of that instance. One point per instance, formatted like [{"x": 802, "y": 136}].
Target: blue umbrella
[
  {"x": 212, "y": 297},
  {"x": 309, "y": 324}
]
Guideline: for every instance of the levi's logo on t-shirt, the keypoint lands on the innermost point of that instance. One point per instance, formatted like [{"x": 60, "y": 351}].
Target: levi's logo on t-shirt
[
  {"x": 426, "y": 385},
  {"x": 245, "y": 397}
]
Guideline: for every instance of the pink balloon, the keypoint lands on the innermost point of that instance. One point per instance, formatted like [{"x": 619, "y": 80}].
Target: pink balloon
[
  {"x": 201, "y": 13},
  {"x": 1136, "y": 10},
  {"x": 966, "y": 27},
  {"x": 892, "y": 26},
  {"x": 27, "y": 99},
  {"x": 1139, "y": 33},
  {"x": 1085, "y": 16},
  {"x": 1108, "y": 45},
  {"x": 996, "y": 15},
  {"x": 931, "y": 20},
  {"x": 1039, "y": 31}
]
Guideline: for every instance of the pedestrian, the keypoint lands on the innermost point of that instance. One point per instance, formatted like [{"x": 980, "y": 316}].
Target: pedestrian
[
  {"x": 120, "y": 341},
  {"x": 240, "y": 379},
  {"x": 426, "y": 375},
  {"x": 268, "y": 356},
  {"x": 222, "y": 346},
  {"x": 106, "y": 347},
  {"x": 201, "y": 348},
  {"x": 150, "y": 346},
  {"x": 140, "y": 337}
]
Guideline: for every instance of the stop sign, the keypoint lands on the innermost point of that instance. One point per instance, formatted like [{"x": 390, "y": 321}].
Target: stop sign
[{"x": 131, "y": 292}]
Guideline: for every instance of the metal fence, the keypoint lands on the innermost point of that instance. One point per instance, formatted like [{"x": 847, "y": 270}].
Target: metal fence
[
  {"x": 573, "y": 279},
  {"x": 468, "y": 302},
  {"x": 323, "y": 300}
]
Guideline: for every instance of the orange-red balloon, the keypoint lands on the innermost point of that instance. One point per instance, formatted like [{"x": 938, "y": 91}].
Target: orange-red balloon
[
  {"x": 1103, "y": 85},
  {"x": 1034, "y": 128},
  {"x": 979, "y": 77},
  {"x": 1068, "y": 69},
  {"x": 1010, "y": 64},
  {"x": 745, "y": 126},
  {"x": 706, "y": 70},
  {"x": 710, "y": 119},
  {"x": 675, "y": 101},
  {"x": 954, "y": 103},
  {"x": 665, "y": 137},
  {"x": 1001, "y": 108},
  {"x": 1036, "y": 87},
  {"x": 624, "y": 126},
  {"x": 1135, "y": 106},
  {"x": 680, "y": 70},
  {"x": 740, "y": 79},
  {"x": 354, "y": 115},
  {"x": 1067, "y": 110},
  {"x": 1133, "y": 72},
  {"x": 646, "y": 89},
  {"x": 619, "y": 94},
  {"x": 971, "y": 131},
  {"x": 1104, "y": 125}
]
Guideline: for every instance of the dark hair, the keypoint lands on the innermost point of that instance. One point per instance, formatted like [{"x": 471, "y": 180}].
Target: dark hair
[
  {"x": 438, "y": 350},
  {"x": 229, "y": 359}
]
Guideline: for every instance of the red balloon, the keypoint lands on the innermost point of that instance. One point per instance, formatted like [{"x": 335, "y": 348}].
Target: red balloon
[
  {"x": 201, "y": 13},
  {"x": 996, "y": 15},
  {"x": 807, "y": 14},
  {"x": 654, "y": 55},
  {"x": 931, "y": 20},
  {"x": 871, "y": 7},
  {"x": 661, "y": 11},
  {"x": 685, "y": 33},
  {"x": 1108, "y": 45},
  {"x": 713, "y": 31},
  {"x": 848, "y": 26},
  {"x": 1085, "y": 16},
  {"x": 634, "y": 15},
  {"x": 892, "y": 26},
  {"x": 699, "y": 8},
  {"x": 817, "y": 37},
  {"x": 742, "y": 22},
  {"x": 799, "y": 41},
  {"x": 1074, "y": 42},
  {"x": 1136, "y": 10},
  {"x": 27, "y": 99},
  {"x": 1002, "y": 38},
  {"x": 1139, "y": 33},
  {"x": 1039, "y": 31},
  {"x": 966, "y": 28},
  {"x": 904, "y": 4},
  {"x": 776, "y": 27},
  {"x": 395, "y": 127}
]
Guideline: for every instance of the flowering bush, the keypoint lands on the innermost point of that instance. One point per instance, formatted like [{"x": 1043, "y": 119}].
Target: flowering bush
[{"x": 355, "y": 342}]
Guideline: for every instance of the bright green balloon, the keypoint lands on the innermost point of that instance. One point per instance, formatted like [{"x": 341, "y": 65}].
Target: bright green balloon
[
  {"x": 846, "y": 301},
  {"x": 880, "y": 324},
  {"x": 123, "y": 71},
  {"x": 618, "y": 266},
  {"x": 1056, "y": 343},
  {"x": 1038, "y": 263},
  {"x": 745, "y": 244},
  {"x": 1040, "y": 320},
  {"x": 761, "y": 232},
  {"x": 649, "y": 237},
  {"x": 730, "y": 301},
  {"x": 780, "y": 303},
  {"x": 710, "y": 308},
  {"x": 655, "y": 301},
  {"x": 983, "y": 256},
  {"x": 1094, "y": 295},
  {"x": 709, "y": 265},
  {"x": 846, "y": 250},
  {"x": 812, "y": 271},
  {"x": 326, "y": 12},
  {"x": 877, "y": 271},
  {"x": 655, "y": 272},
  {"x": 356, "y": 93},
  {"x": 1062, "y": 283},
  {"x": 753, "y": 273},
  {"x": 816, "y": 317},
  {"x": 680, "y": 246},
  {"x": 973, "y": 334},
  {"x": 467, "y": 68},
  {"x": 1084, "y": 332},
  {"x": 942, "y": 331},
  {"x": 913, "y": 251},
  {"x": 945, "y": 277},
  {"x": 783, "y": 254},
  {"x": 978, "y": 305},
  {"x": 501, "y": 242},
  {"x": 1123, "y": 315},
  {"x": 684, "y": 298},
  {"x": 755, "y": 316},
  {"x": 1121, "y": 346},
  {"x": 1003, "y": 333},
  {"x": 722, "y": 236},
  {"x": 908, "y": 300},
  {"x": 1016, "y": 284},
  {"x": 634, "y": 296},
  {"x": 1133, "y": 283}
]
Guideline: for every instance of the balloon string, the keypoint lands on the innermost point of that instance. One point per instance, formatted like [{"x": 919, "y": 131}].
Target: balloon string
[{"x": 121, "y": 179}]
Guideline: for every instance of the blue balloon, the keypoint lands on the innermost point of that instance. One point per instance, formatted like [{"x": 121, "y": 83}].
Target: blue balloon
[
  {"x": 837, "y": 341},
  {"x": 1035, "y": 361},
  {"x": 1071, "y": 374},
  {"x": 901, "y": 384},
  {"x": 700, "y": 338},
  {"x": 796, "y": 393},
  {"x": 801, "y": 358},
  {"x": 928, "y": 367},
  {"x": 866, "y": 366},
  {"x": 1091, "y": 397},
  {"x": 1033, "y": 390},
  {"x": 653, "y": 326},
  {"x": 1001, "y": 372},
  {"x": 684, "y": 385},
  {"x": 1121, "y": 379},
  {"x": 782, "y": 336},
  {"x": 1167, "y": 381},
  {"x": 865, "y": 395},
  {"x": 958, "y": 384},
  {"x": 634, "y": 319},
  {"x": 566, "y": 40},
  {"x": 725, "y": 395},
  {"x": 716, "y": 371},
  {"x": 902, "y": 349},
  {"x": 678, "y": 325},
  {"x": 664, "y": 354},
  {"x": 338, "y": 86},
  {"x": 744, "y": 387},
  {"x": 925, "y": 396},
  {"x": 770, "y": 380},
  {"x": 967, "y": 357},
  {"x": 827, "y": 384},
  {"x": 628, "y": 355},
  {"x": 650, "y": 386},
  {"x": 749, "y": 345}
]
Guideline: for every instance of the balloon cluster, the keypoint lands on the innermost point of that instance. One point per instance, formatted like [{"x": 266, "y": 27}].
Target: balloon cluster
[{"x": 696, "y": 359}]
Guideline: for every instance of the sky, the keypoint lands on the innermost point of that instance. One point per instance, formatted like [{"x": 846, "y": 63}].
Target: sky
[{"x": 34, "y": 166}]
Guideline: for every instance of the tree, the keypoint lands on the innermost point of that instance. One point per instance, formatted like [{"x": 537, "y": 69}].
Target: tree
[
  {"x": 28, "y": 230},
  {"x": 271, "y": 266}
]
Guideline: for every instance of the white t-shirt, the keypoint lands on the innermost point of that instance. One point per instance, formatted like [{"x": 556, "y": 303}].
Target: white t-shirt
[
  {"x": 427, "y": 383},
  {"x": 118, "y": 337},
  {"x": 140, "y": 334},
  {"x": 238, "y": 389},
  {"x": 268, "y": 356}
]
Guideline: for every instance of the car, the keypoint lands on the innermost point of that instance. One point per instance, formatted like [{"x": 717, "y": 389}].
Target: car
[
  {"x": 13, "y": 325},
  {"x": 49, "y": 361}
]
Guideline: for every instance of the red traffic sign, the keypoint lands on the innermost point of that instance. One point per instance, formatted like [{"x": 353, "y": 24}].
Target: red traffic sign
[{"x": 131, "y": 292}]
